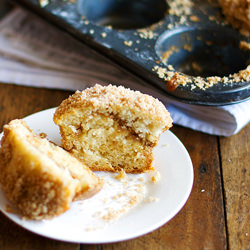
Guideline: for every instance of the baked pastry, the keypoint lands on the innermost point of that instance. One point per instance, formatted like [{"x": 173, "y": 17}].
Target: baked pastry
[
  {"x": 237, "y": 12},
  {"x": 112, "y": 128},
  {"x": 38, "y": 177}
]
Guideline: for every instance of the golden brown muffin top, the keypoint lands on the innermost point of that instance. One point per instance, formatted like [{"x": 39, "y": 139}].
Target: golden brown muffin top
[{"x": 113, "y": 99}]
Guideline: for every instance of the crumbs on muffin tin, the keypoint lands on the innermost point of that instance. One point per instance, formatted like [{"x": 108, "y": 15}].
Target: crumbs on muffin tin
[
  {"x": 174, "y": 79},
  {"x": 146, "y": 33},
  {"x": 182, "y": 9}
]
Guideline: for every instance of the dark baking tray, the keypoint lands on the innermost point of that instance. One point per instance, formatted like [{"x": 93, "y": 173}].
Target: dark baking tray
[{"x": 160, "y": 43}]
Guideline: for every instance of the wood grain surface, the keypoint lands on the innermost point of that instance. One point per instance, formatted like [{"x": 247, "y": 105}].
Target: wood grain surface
[
  {"x": 216, "y": 216},
  {"x": 235, "y": 155}
]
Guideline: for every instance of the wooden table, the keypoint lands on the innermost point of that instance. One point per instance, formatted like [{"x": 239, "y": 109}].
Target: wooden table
[{"x": 216, "y": 216}]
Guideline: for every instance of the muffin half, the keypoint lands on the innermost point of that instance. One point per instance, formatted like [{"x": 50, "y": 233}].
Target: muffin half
[
  {"x": 38, "y": 177},
  {"x": 112, "y": 128}
]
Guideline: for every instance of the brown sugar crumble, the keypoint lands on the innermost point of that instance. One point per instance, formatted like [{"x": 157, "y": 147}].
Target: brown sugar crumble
[
  {"x": 128, "y": 43},
  {"x": 146, "y": 33},
  {"x": 181, "y": 8},
  {"x": 103, "y": 34},
  {"x": 194, "y": 19},
  {"x": 174, "y": 79},
  {"x": 156, "y": 177},
  {"x": 152, "y": 199},
  {"x": 237, "y": 12},
  {"x": 43, "y": 135},
  {"x": 169, "y": 52},
  {"x": 244, "y": 45},
  {"x": 121, "y": 174}
]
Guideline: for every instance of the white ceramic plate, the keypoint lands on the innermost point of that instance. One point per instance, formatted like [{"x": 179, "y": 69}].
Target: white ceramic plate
[{"x": 125, "y": 208}]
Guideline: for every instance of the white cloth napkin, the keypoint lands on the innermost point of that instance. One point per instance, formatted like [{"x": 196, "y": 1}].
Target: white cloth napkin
[{"x": 33, "y": 53}]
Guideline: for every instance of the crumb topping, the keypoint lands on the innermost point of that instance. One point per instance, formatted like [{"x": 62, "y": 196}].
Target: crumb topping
[
  {"x": 146, "y": 33},
  {"x": 156, "y": 177},
  {"x": 237, "y": 12},
  {"x": 111, "y": 98},
  {"x": 244, "y": 45},
  {"x": 128, "y": 43}
]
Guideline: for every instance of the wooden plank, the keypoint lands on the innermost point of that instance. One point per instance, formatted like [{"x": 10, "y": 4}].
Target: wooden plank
[
  {"x": 17, "y": 101},
  {"x": 200, "y": 224},
  {"x": 13, "y": 237},
  {"x": 235, "y": 154}
]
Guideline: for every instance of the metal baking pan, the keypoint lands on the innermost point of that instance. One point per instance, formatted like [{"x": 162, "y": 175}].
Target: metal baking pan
[{"x": 177, "y": 48}]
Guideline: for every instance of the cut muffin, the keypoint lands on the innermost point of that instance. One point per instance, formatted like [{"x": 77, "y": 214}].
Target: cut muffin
[
  {"x": 39, "y": 178},
  {"x": 112, "y": 128},
  {"x": 237, "y": 12}
]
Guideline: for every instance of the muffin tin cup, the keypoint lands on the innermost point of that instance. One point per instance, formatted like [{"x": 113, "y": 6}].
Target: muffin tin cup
[{"x": 189, "y": 52}]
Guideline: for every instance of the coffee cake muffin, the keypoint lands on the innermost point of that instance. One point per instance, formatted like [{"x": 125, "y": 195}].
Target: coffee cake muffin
[
  {"x": 237, "y": 12},
  {"x": 39, "y": 178},
  {"x": 112, "y": 128}
]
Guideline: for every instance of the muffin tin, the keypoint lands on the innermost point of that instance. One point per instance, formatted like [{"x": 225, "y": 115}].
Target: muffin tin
[{"x": 177, "y": 46}]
